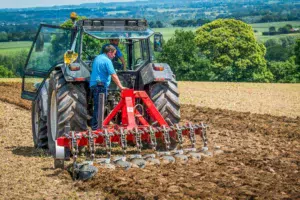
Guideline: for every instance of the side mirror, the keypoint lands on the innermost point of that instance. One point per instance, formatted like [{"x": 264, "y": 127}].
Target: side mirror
[
  {"x": 158, "y": 39},
  {"x": 39, "y": 43}
]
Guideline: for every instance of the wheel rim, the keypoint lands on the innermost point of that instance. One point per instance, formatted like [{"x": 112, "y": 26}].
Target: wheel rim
[
  {"x": 53, "y": 115},
  {"x": 36, "y": 119}
]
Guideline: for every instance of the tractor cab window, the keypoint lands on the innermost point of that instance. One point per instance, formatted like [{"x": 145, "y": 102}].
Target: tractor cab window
[
  {"x": 92, "y": 47},
  {"x": 140, "y": 53}
]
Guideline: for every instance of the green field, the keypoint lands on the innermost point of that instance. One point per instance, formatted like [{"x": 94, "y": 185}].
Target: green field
[
  {"x": 7, "y": 48},
  {"x": 169, "y": 32},
  {"x": 263, "y": 27},
  {"x": 260, "y": 27}
]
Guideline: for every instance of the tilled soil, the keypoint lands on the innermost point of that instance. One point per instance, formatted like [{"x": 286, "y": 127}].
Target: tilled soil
[{"x": 260, "y": 160}]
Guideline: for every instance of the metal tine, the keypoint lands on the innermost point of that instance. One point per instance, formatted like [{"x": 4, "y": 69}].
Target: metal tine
[
  {"x": 91, "y": 139},
  {"x": 152, "y": 138},
  {"x": 75, "y": 152},
  {"x": 107, "y": 136},
  {"x": 138, "y": 139},
  {"x": 166, "y": 134},
  {"x": 123, "y": 139},
  {"x": 178, "y": 130},
  {"x": 192, "y": 134},
  {"x": 203, "y": 134}
]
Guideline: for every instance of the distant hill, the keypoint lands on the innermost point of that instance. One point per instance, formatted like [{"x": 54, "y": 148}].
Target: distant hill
[{"x": 166, "y": 11}]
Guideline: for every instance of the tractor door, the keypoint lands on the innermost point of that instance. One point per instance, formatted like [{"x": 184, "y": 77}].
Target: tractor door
[{"x": 47, "y": 52}]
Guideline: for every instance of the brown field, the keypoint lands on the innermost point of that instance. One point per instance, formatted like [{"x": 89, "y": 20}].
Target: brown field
[
  {"x": 262, "y": 98},
  {"x": 259, "y": 134}
]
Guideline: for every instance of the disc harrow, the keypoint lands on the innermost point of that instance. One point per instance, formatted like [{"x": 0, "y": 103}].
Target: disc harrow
[{"x": 133, "y": 129}]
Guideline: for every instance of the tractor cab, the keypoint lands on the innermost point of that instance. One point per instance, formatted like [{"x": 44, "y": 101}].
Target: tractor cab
[{"x": 74, "y": 49}]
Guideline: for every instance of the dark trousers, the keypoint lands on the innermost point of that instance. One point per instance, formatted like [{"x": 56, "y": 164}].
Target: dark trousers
[{"x": 96, "y": 91}]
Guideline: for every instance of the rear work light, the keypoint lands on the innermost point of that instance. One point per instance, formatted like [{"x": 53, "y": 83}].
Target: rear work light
[
  {"x": 158, "y": 68},
  {"x": 74, "y": 67}
]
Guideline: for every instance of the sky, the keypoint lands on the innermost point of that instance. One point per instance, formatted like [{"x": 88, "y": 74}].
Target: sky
[{"x": 46, "y": 3}]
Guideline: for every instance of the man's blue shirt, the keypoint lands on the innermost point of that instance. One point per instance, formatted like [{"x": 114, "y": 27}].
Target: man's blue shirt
[
  {"x": 102, "y": 70},
  {"x": 118, "y": 53}
]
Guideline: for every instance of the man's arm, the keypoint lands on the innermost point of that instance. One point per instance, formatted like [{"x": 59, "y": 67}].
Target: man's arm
[
  {"x": 123, "y": 62},
  {"x": 117, "y": 81}
]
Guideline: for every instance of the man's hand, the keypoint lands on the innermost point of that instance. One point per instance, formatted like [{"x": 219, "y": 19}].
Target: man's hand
[
  {"x": 117, "y": 81},
  {"x": 123, "y": 88}
]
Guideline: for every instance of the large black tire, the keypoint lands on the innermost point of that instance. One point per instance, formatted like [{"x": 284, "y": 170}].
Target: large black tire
[
  {"x": 165, "y": 96},
  {"x": 166, "y": 99},
  {"x": 39, "y": 125},
  {"x": 67, "y": 104}
]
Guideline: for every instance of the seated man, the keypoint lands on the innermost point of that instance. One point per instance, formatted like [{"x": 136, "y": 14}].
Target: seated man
[{"x": 119, "y": 55}]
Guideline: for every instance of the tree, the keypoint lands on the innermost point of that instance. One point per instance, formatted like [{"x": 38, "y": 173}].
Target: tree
[
  {"x": 297, "y": 52},
  {"x": 159, "y": 24},
  {"x": 289, "y": 26},
  {"x": 280, "y": 49},
  {"x": 272, "y": 29},
  {"x": 183, "y": 57},
  {"x": 284, "y": 30},
  {"x": 233, "y": 50},
  {"x": 3, "y": 36}
]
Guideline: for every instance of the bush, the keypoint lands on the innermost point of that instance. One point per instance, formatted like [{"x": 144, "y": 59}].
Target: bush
[
  {"x": 285, "y": 72},
  {"x": 5, "y": 73}
]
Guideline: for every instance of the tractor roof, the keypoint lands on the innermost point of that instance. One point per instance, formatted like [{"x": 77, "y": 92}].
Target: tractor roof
[{"x": 116, "y": 28}]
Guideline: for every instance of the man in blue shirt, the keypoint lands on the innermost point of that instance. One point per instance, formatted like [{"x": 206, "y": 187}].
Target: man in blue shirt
[
  {"x": 102, "y": 72},
  {"x": 119, "y": 55}
]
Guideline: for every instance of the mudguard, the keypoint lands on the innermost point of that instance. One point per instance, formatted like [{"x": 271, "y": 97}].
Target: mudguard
[
  {"x": 150, "y": 73},
  {"x": 83, "y": 72}
]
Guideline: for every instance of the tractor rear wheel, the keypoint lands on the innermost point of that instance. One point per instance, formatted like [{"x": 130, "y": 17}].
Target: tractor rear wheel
[
  {"x": 165, "y": 96},
  {"x": 67, "y": 105},
  {"x": 39, "y": 125}
]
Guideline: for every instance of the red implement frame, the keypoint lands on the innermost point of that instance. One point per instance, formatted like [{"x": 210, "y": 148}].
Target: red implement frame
[{"x": 130, "y": 117}]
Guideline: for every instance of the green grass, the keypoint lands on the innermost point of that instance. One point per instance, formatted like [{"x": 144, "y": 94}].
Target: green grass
[
  {"x": 7, "y": 48},
  {"x": 169, "y": 32}
]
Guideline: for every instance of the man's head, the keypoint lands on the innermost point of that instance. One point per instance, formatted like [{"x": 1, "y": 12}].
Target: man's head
[
  {"x": 114, "y": 41},
  {"x": 110, "y": 51}
]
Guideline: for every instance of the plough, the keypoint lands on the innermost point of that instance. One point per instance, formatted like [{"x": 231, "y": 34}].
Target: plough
[{"x": 133, "y": 128}]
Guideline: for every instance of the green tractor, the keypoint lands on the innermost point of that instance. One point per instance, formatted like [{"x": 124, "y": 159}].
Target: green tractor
[{"x": 58, "y": 67}]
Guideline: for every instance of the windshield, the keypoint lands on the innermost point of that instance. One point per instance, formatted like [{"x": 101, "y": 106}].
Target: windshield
[
  {"x": 119, "y": 32},
  {"x": 134, "y": 51}
]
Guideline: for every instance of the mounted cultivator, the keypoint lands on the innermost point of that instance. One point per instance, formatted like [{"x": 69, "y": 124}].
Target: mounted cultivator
[{"x": 134, "y": 128}]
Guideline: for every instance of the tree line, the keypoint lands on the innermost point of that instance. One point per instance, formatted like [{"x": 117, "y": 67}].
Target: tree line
[
  {"x": 288, "y": 28},
  {"x": 227, "y": 50}
]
